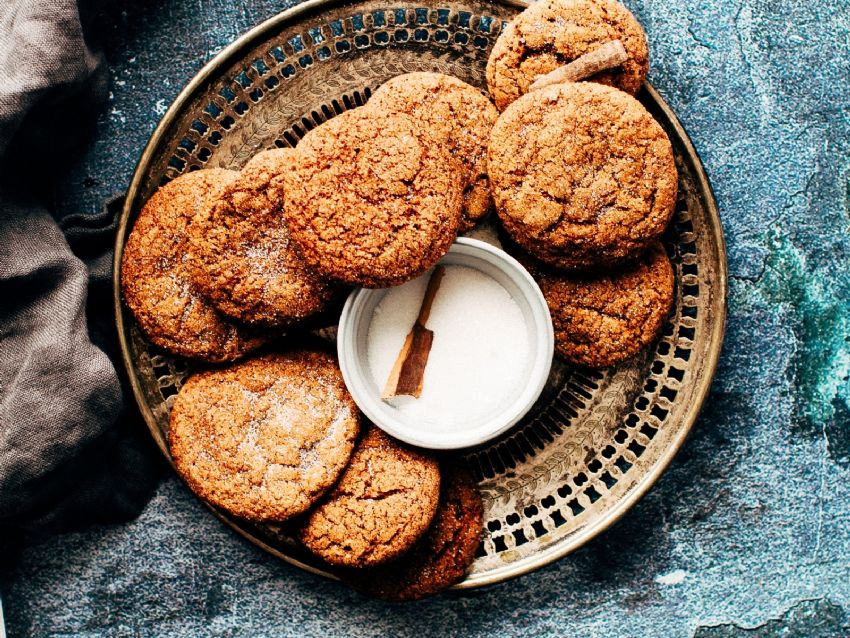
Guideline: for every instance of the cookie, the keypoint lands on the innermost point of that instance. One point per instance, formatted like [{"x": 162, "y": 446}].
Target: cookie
[
  {"x": 155, "y": 275},
  {"x": 441, "y": 557},
  {"x": 381, "y": 506},
  {"x": 264, "y": 438},
  {"x": 242, "y": 258},
  {"x": 582, "y": 175},
  {"x": 460, "y": 118},
  {"x": 603, "y": 319},
  {"x": 551, "y": 33},
  {"x": 374, "y": 200}
]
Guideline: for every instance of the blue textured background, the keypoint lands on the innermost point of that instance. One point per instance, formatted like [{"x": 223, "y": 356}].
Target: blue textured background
[{"x": 749, "y": 528}]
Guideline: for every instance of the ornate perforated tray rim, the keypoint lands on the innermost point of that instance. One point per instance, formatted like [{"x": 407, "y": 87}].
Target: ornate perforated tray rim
[{"x": 232, "y": 54}]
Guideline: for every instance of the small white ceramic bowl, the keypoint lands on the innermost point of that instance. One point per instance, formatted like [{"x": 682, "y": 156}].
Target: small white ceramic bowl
[{"x": 353, "y": 358}]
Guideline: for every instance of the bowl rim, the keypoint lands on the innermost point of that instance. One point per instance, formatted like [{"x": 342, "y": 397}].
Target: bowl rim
[{"x": 541, "y": 341}]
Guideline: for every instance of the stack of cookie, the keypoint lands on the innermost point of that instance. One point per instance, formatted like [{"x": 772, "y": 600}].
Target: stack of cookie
[
  {"x": 374, "y": 197},
  {"x": 221, "y": 263},
  {"x": 275, "y": 438},
  {"x": 209, "y": 264},
  {"x": 393, "y": 527},
  {"x": 583, "y": 179}
]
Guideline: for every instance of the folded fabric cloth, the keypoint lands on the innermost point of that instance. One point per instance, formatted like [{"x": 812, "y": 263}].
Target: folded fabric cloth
[{"x": 72, "y": 448}]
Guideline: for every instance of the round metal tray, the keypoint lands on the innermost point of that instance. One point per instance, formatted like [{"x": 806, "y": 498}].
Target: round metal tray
[{"x": 596, "y": 441}]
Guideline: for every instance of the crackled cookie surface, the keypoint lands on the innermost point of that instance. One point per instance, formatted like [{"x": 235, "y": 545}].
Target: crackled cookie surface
[
  {"x": 601, "y": 320},
  {"x": 381, "y": 506},
  {"x": 155, "y": 274},
  {"x": 242, "y": 257},
  {"x": 551, "y": 33},
  {"x": 374, "y": 200},
  {"x": 582, "y": 175},
  {"x": 264, "y": 438},
  {"x": 459, "y": 116},
  {"x": 441, "y": 557}
]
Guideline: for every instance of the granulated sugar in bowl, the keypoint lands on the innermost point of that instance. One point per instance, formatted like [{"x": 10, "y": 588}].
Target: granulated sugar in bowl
[{"x": 490, "y": 354}]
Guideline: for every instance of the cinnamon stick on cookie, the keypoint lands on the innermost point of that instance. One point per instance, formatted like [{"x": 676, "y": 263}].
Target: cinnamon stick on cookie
[{"x": 609, "y": 55}]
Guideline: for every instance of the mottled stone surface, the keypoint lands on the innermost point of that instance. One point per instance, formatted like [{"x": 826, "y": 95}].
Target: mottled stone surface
[{"x": 748, "y": 532}]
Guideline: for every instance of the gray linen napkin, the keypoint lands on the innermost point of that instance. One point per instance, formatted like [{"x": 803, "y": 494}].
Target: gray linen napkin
[{"x": 71, "y": 449}]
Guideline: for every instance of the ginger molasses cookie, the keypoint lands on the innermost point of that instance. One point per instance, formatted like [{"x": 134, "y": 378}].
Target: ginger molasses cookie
[
  {"x": 551, "y": 33},
  {"x": 156, "y": 281},
  {"x": 441, "y": 557},
  {"x": 263, "y": 439},
  {"x": 582, "y": 175},
  {"x": 381, "y": 506},
  {"x": 605, "y": 318},
  {"x": 459, "y": 116},
  {"x": 242, "y": 258},
  {"x": 374, "y": 200}
]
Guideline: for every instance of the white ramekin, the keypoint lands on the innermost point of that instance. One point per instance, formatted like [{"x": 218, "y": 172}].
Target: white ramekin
[{"x": 353, "y": 359}]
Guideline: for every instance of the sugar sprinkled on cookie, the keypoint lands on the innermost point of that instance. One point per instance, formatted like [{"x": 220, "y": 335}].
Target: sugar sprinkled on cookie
[
  {"x": 242, "y": 257},
  {"x": 156, "y": 281},
  {"x": 265, "y": 438}
]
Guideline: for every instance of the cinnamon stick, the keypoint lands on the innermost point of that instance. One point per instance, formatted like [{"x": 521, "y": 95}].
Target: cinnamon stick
[
  {"x": 606, "y": 57},
  {"x": 408, "y": 371}
]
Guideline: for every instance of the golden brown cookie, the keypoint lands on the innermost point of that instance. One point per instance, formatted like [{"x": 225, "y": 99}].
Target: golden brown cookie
[
  {"x": 242, "y": 258},
  {"x": 381, "y": 506},
  {"x": 441, "y": 557},
  {"x": 582, "y": 175},
  {"x": 551, "y": 33},
  {"x": 605, "y": 318},
  {"x": 459, "y": 116},
  {"x": 155, "y": 274},
  {"x": 374, "y": 200},
  {"x": 265, "y": 438}
]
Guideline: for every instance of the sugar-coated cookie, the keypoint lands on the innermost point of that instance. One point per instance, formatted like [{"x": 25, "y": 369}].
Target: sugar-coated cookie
[
  {"x": 441, "y": 558},
  {"x": 374, "y": 200},
  {"x": 156, "y": 281},
  {"x": 242, "y": 257},
  {"x": 264, "y": 438},
  {"x": 382, "y": 505},
  {"x": 605, "y": 318},
  {"x": 551, "y": 33},
  {"x": 582, "y": 175},
  {"x": 459, "y": 116}
]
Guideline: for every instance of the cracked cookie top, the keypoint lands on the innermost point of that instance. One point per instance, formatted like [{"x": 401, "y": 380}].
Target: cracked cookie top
[
  {"x": 241, "y": 255},
  {"x": 582, "y": 175},
  {"x": 374, "y": 200},
  {"x": 441, "y": 557},
  {"x": 604, "y": 319},
  {"x": 551, "y": 33},
  {"x": 264, "y": 438},
  {"x": 459, "y": 116},
  {"x": 156, "y": 281},
  {"x": 381, "y": 506}
]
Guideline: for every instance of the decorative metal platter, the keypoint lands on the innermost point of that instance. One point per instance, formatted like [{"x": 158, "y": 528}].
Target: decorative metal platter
[{"x": 596, "y": 441}]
